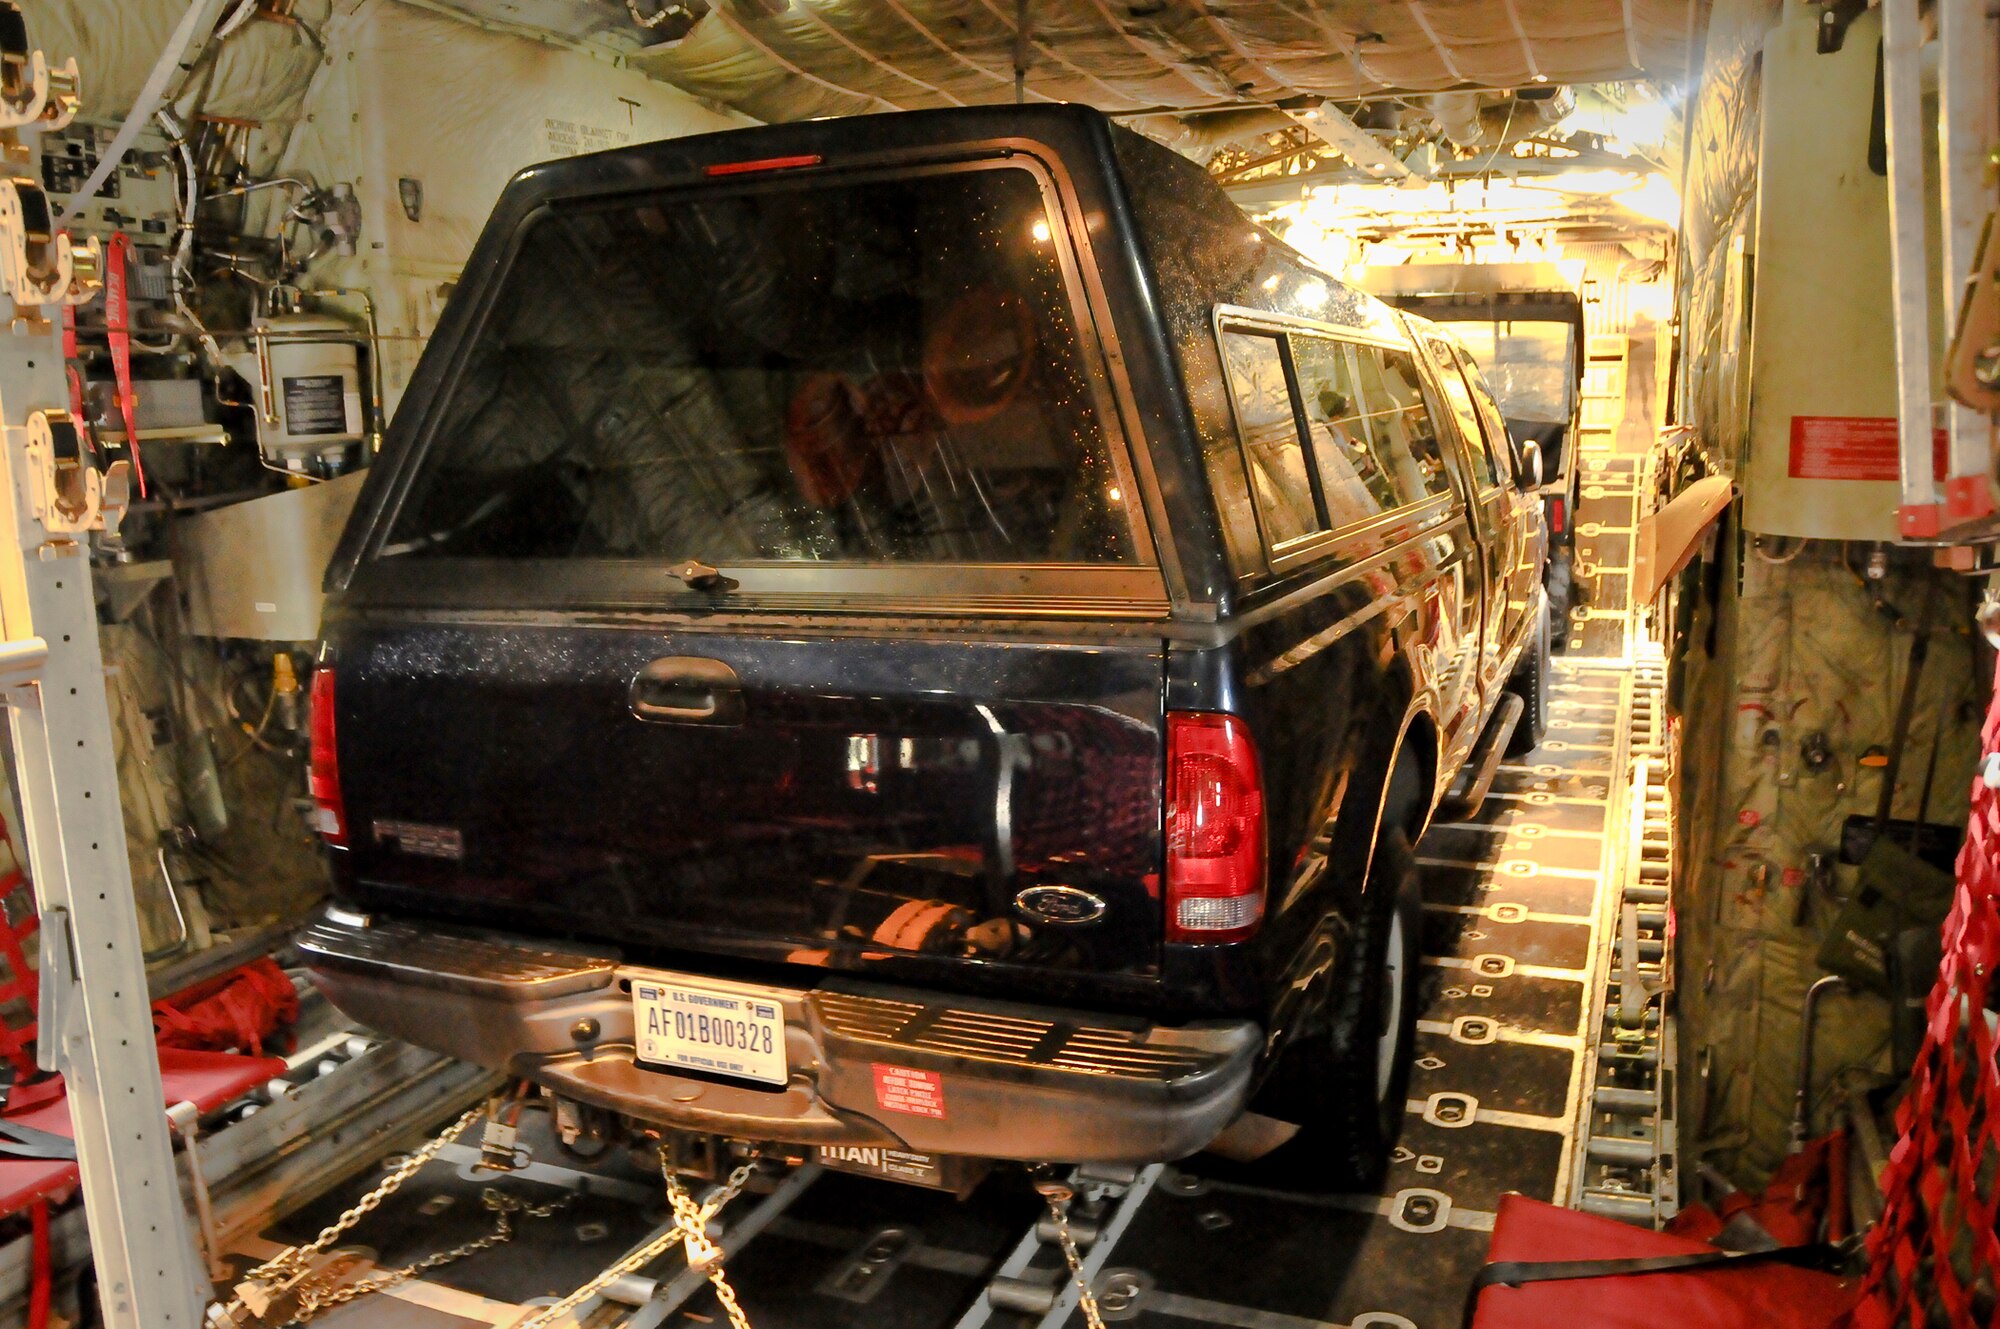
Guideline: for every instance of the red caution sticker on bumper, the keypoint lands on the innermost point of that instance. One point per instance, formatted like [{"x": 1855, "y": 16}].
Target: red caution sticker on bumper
[{"x": 914, "y": 1093}]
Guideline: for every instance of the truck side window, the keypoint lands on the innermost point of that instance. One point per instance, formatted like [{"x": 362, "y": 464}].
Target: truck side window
[
  {"x": 1409, "y": 421},
  {"x": 1356, "y": 470},
  {"x": 1365, "y": 409},
  {"x": 1452, "y": 380},
  {"x": 1279, "y": 475},
  {"x": 1499, "y": 443}
]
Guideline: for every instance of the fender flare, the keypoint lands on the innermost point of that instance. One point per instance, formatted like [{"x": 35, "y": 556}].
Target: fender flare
[{"x": 1355, "y": 843}]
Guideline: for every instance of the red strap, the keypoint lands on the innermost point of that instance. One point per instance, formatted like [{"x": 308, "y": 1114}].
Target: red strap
[
  {"x": 118, "y": 322},
  {"x": 24, "y": 1098},
  {"x": 44, "y": 1267},
  {"x": 239, "y": 1010}
]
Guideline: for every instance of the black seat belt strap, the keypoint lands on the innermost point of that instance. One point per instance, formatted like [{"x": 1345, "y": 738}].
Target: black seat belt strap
[{"x": 1514, "y": 1273}]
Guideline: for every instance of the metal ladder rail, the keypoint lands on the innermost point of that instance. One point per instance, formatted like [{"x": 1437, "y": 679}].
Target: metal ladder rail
[
  {"x": 96, "y": 1021},
  {"x": 1629, "y": 1130}
]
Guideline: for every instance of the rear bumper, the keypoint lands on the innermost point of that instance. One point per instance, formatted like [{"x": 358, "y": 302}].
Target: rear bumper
[{"x": 1010, "y": 1081}]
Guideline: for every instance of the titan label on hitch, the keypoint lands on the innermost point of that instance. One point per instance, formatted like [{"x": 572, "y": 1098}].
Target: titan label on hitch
[{"x": 943, "y": 1172}]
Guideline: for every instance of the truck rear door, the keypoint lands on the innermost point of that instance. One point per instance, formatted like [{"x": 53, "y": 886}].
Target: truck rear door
[
  {"x": 787, "y": 796},
  {"x": 766, "y": 581}
]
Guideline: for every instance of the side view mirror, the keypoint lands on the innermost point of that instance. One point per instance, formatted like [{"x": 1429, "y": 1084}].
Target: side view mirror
[{"x": 1528, "y": 475}]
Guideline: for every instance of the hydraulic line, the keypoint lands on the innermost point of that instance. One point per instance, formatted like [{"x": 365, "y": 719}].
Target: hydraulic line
[{"x": 186, "y": 199}]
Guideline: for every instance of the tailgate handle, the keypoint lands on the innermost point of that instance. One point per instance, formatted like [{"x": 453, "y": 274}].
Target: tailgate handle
[{"x": 687, "y": 689}]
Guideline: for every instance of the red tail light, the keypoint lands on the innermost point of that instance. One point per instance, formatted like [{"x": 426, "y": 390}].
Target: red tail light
[
  {"x": 323, "y": 771},
  {"x": 1555, "y": 516},
  {"x": 1215, "y": 829}
]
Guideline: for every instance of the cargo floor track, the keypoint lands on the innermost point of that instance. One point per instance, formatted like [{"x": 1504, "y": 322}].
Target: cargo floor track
[{"x": 1540, "y": 913}]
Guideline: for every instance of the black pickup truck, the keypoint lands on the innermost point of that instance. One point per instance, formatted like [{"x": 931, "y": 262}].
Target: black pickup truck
[{"x": 926, "y": 632}]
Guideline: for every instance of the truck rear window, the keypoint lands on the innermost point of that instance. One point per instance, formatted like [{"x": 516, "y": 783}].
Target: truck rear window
[{"x": 796, "y": 369}]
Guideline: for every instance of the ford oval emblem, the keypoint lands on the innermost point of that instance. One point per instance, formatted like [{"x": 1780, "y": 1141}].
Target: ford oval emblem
[{"x": 1060, "y": 904}]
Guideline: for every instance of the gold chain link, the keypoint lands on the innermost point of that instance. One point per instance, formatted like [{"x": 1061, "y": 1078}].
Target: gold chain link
[
  {"x": 689, "y": 1221},
  {"x": 317, "y": 1296},
  {"x": 703, "y": 1254},
  {"x": 320, "y": 1296},
  {"x": 1059, "y": 1197},
  {"x": 291, "y": 1261},
  {"x": 291, "y": 1264}
]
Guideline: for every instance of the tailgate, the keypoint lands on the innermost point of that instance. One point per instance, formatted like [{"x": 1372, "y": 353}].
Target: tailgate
[{"x": 841, "y": 801}]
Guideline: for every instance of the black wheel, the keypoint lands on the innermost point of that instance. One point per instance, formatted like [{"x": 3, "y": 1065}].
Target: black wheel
[
  {"x": 1354, "y": 1072},
  {"x": 1531, "y": 684},
  {"x": 1559, "y": 580}
]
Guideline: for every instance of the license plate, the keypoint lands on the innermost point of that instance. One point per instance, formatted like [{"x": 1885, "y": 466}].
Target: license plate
[{"x": 715, "y": 1028}]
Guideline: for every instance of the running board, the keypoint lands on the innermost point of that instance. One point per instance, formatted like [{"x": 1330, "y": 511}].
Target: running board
[{"x": 1468, "y": 792}]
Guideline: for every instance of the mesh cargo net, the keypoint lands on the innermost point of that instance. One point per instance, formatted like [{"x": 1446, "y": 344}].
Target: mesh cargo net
[{"x": 1932, "y": 1258}]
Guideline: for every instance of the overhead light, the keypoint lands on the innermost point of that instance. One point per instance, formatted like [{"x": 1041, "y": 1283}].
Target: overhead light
[
  {"x": 1655, "y": 197},
  {"x": 1642, "y": 123},
  {"x": 1040, "y": 230},
  {"x": 1651, "y": 195}
]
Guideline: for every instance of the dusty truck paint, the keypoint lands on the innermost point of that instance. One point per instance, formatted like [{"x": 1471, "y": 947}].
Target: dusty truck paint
[{"x": 635, "y": 656}]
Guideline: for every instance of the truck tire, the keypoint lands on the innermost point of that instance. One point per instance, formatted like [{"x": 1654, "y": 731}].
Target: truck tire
[
  {"x": 1531, "y": 684},
  {"x": 1361, "y": 1066},
  {"x": 1559, "y": 581}
]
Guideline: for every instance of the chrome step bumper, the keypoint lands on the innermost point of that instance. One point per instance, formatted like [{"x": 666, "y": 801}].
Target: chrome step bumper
[{"x": 1015, "y": 1081}]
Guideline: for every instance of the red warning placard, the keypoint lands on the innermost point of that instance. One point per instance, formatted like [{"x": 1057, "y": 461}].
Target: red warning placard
[
  {"x": 916, "y": 1093},
  {"x": 1852, "y": 447}
]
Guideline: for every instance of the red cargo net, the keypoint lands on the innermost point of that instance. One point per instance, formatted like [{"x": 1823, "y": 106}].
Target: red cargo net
[
  {"x": 240, "y": 1011},
  {"x": 19, "y": 919},
  {"x": 1933, "y": 1257}
]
